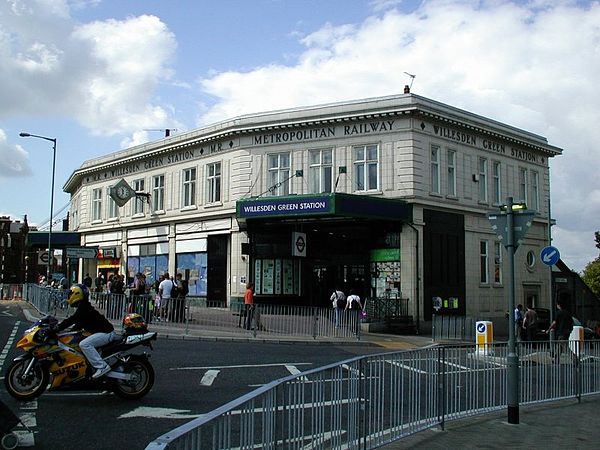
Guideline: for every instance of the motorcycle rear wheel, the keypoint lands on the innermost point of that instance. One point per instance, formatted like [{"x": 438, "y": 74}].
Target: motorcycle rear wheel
[
  {"x": 26, "y": 387},
  {"x": 142, "y": 380}
]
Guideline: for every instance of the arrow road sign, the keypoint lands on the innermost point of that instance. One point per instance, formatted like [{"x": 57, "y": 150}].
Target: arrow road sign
[
  {"x": 521, "y": 224},
  {"x": 82, "y": 252},
  {"x": 549, "y": 255}
]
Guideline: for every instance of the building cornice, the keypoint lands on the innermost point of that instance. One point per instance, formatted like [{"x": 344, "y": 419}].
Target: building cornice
[{"x": 322, "y": 115}]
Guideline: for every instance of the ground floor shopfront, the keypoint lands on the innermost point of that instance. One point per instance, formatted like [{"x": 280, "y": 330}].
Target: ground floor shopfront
[{"x": 302, "y": 248}]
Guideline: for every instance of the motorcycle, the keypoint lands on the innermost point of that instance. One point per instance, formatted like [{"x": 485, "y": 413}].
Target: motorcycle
[{"x": 54, "y": 361}]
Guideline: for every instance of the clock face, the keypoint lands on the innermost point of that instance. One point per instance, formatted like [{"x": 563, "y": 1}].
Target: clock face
[{"x": 123, "y": 192}]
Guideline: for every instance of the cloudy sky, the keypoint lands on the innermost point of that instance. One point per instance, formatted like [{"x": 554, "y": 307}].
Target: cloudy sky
[{"x": 95, "y": 74}]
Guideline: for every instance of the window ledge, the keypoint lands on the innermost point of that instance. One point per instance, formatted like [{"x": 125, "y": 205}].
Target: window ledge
[
  {"x": 112, "y": 219},
  {"x": 96, "y": 222},
  {"x": 435, "y": 194},
  {"x": 160, "y": 212},
  {"x": 213, "y": 205},
  {"x": 189, "y": 208},
  {"x": 138, "y": 216}
]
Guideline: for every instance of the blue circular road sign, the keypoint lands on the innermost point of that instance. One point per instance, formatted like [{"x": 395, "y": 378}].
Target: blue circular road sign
[{"x": 549, "y": 255}]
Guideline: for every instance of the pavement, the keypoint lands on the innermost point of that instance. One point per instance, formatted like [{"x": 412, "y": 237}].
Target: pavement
[{"x": 552, "y": 425}]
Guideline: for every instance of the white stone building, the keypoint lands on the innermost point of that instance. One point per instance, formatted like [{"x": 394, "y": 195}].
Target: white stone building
[{"x": 387, "y": 196}]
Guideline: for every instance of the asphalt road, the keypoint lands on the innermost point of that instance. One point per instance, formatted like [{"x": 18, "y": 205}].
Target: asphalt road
[{"x": 192, "y": 378}]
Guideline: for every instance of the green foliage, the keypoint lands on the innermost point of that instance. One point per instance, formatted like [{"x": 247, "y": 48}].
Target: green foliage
[{"x": 591, "y": 276}]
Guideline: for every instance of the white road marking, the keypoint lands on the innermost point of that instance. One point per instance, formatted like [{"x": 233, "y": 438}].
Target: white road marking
[
  {"x": 9, "y": 342},
  {"x": 209, "y": 377},
  {"x": 159, "y": 413},
  {"x": 404, "y": 366},
  {"x": 295, "y": 371},
  {"x": 240, "y": 366}
]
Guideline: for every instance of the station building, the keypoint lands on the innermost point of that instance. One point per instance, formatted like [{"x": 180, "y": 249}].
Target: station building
[{"x": 387, "y": 196}]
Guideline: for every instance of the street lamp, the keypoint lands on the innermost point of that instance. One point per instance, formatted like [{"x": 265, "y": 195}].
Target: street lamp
[{"x": 53, "y": 140}]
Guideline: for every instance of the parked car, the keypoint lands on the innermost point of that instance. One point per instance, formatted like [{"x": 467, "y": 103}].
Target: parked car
[{"x": 588, "y": 333}]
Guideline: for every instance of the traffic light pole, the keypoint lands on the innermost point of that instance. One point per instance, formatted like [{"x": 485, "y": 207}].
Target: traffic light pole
[{"x": 512, "y": 358}]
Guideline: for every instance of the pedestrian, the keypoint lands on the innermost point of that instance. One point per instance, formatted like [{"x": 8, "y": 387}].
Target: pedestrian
[
  {"x": 338, "y": 301},
  {"x": 165, "y": 288},
  {"x": 530, "y": 323},
  {"x": 99, "y": 282},
  {"x": 178, "y": 300},
  {"x": 518, "y": 314},
  {"x": 353, "y": 307},
  {"x": 249, "y": 305},
  {"x": 562, "y": 325},
  {"x": 87, "y": 281}
]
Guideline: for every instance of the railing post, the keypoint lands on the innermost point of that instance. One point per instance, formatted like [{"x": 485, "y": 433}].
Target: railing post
[
  {"x": 441, "y": 387},
  {"x": 315, "y": 319},
  {"x": 186, "y": 314},
  {"x": 578, "y": 375},
  {"x": 362, "y": 425}
]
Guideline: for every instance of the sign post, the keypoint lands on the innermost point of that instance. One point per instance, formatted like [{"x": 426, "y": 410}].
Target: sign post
[{"x": 511, "y": 229}]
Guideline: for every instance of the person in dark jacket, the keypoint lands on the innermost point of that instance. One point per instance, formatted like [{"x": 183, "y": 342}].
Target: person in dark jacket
[{"x": 87, "y": 318}]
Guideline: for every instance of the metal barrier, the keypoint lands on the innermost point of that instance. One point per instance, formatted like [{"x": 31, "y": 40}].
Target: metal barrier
[
  {"x": 185, "y": 315},
  {"x": 11, "y": 291},
  {"x": 370, "y": 401},
  {"x": 452, "y": 328}
]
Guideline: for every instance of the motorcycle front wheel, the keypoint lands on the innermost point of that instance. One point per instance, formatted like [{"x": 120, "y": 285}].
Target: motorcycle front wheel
[
  {"x": 25, "y": 386},
  {"x": 142, "y": 378}
]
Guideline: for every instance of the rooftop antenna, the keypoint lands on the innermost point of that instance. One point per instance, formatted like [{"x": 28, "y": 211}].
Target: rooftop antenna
[
  {"x": 412, "y": 78},
  {"x": 166, "y": 130}
]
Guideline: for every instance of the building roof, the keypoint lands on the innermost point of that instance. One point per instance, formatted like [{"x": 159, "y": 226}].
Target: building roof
[{"x": 331, "y": 113}]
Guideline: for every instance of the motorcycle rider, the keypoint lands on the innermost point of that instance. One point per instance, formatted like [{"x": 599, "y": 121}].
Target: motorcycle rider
[{"x": 87, "y": 318}]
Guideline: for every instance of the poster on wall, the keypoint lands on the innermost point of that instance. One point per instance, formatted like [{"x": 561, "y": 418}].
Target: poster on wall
[
  {"x": 278, "y": 276},
  {"x": 268, "y": 274},
  {"x": 258, "y": 276},
  {"x": 288, "y": 277}
]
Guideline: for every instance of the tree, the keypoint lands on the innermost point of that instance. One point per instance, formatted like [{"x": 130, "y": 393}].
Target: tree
[
  {"x": 597, "y": 238},
  {"x": 591, "y": 276}
]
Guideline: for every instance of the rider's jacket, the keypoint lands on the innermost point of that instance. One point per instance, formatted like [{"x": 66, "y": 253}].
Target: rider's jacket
[{"x": 87, "y": 318}]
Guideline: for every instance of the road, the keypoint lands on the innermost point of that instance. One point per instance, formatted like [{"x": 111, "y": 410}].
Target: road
[{"x": 192, "y": 377}]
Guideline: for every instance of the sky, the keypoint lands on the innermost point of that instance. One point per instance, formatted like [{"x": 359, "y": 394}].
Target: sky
[{"x": 96, "y": 75}]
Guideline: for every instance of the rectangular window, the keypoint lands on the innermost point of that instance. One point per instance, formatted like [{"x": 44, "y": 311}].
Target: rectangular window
[
  {"x": 435, "y": 169},
  {"x": 483, "y": 177},
  {"x": 113, "y": 209},
  {"x": 366, "y": 168},
  {"x": 158, "y": 193},
  {"x": 523, "y": 181},
  {"x": 213, "y": 179},
  {"x": 97, "y": 204},
  {"x": 279, "y": 173},
  {"x": 138, "y": 202},
  {"x": 497, "y": 183},
  {"x": 320, "y": 171},
  {"x": 483, "y": 262},
  {"x": 535, "y": 191},
  {"x": 497, "y": 263},
  {"x": 451, "y": 173},
  {"x": 189, "y": 187}
]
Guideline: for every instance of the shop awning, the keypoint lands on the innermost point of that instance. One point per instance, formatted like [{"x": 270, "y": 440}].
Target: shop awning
[{"x": 324, "y": 205}]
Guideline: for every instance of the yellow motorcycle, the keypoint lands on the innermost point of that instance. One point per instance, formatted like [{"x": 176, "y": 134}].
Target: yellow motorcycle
[{"x": 54, "y": 361}]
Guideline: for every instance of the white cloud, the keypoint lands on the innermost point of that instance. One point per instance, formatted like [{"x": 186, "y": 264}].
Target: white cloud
[
  {"x": 522, "y": 64},
  {"x": 102, "y": 74},
  {"x": 14, "y": 161}
]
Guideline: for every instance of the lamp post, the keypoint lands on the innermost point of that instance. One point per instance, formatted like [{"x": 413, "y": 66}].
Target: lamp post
[{"x": 53, "y": 140}]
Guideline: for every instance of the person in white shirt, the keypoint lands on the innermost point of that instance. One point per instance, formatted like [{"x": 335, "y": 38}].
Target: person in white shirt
[
  {"x": 354, "y": 306},
  {"x": 338, "y": 300},
  {"x": 164, "y": 292}
]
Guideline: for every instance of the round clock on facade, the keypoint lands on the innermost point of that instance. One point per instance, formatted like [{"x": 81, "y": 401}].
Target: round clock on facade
[{"x": 123, "y": 192}]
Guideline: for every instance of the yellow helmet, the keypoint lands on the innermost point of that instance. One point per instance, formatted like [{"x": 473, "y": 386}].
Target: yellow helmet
[{"x": 78, "y": 293}]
